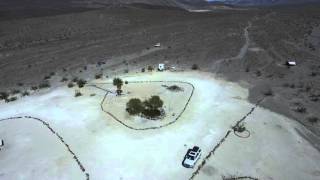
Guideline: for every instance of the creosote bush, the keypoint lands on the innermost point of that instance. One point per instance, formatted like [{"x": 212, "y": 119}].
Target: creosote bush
[
  {"x": 11, "y": 99},
  {"x": 150, "y": 68},
  {"x": 98, "y": 76},
  {"x": 64, "y": 79},
  {"x": 70, "y": 84},
  {"x": 194, "y": 67},
  {"x": 81, "y": 83},
  {"x": 4, "y": 95},
  {"x": 77, "y": 94},
  {"x": 313, "y": 119},
  {"x": 44, "y": 84},
  {"x": 25, "y": 93}
]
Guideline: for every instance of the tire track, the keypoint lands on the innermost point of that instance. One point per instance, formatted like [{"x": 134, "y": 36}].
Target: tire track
[
  {"x": 204, "y": 161},
  {"x": 148, "y": 128},
  {"x": 47, "y": 125}
]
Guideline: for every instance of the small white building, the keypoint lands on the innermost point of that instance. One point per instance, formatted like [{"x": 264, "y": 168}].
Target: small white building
[
  {"x": 291, "y": 63},
  {"x": 161, "y": 67},
  {"x": 157, "y": 45}
]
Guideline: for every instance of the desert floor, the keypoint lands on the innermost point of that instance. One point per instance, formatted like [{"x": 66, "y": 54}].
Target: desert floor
[{"x": 53, "y": 135}]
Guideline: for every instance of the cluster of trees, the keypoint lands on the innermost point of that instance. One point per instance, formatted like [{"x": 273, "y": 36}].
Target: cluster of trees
[{"x": 150, "y": 108}]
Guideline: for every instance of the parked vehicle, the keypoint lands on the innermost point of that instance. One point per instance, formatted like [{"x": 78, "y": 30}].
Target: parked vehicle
[{"x": 191, "y": 157}]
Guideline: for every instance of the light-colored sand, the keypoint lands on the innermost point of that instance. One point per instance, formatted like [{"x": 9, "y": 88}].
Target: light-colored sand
[{"x": 108, "y": 150}]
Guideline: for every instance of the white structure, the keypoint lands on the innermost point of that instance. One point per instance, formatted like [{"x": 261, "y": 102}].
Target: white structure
[
  {"x": 157, "y": 45},
  {"x": 161, "y": 67},
  {"x": 291, "y": 63}
]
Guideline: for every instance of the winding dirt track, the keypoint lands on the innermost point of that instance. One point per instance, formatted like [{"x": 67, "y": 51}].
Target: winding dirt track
[
  {"x": 149, "y": 128},
  {"x": 242, "y": 52},
  {"x": 47, "y": 125}
]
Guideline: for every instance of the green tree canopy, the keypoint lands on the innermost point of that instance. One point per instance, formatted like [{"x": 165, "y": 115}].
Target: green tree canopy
[
  {"x": 134, "y": 106},
  {"x": 154, "y": 102}
]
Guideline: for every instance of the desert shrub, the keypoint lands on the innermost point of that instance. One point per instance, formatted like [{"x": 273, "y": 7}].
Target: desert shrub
[
  {"x": 258, "y": 73},
  {"x": 239, "y": 128},
  {"x": 126, "y": 71},
  {"x": 25, "y": 93},
  {"x": 134, "y": 106},
  {"x": 150, "y": 68},
  {"x": 75, "y": 79},
  {"x": 301, "y": 109},
  {"x": 143, "y": 69},
  {"x": 20, "y": 84},
  {"x": 4, "y": 95},
  {"x": 44, "y": 84},
  {"x": 81, "y": 83},
  {"x": 194, "y": 67},
  {"x": 313, "y": 119},
  {"x": 268, "y": 92},
  {"x": 77, "y": 94},
  {"x": 52, "y": 73},
  {"x": 175, "y": 88},
  {"x": 11, "y": 99},
  {"x": 126, "y": 82},
  {"x": 15, "y": 91},
  {"x": 64, "y": 79},
  {"x": 70, "y": 84},
  {"x": 98, "y": 76},
  {"x": 34, "y": 88},
  {"x": 47, "y": 77}
]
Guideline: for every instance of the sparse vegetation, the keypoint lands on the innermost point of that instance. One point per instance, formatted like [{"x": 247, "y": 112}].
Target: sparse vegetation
[
  {"x": 64, "y": 79},
  {"x": 4, "y": 95},
  {"x": 15, "y": 91},
  {"x": 174, "y": 88},
  {"x": 126, "y": 71},
  {"x": 34, "y": 88},
  {"x": 44, "y": 84},
  {"x": 98, "y": 76},
  {"x": 70, "y": 84},
  {"x": 194, "y": 67},
  {"x": 300, "y": 109},
  {"x": 25, "y": 93},
  {"x": 143, "y": 69},
  {"x": 77, "y": 94},
  {"x": 150, "y": 68},
  {"x": 11, "y": 99},
  {"x": 81, "y": 83},
  {"x": 118, "y": 82},
  {"x": 239, "y": 128},
  {"x": 313, "y": 119},
  {"x": 268, "y": 92}
]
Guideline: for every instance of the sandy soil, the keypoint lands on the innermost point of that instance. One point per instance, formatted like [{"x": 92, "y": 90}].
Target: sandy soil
[{"x": 109, "y": 150}]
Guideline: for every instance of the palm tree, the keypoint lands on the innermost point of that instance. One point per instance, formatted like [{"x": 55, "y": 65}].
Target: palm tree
[{"x": 118, "y": 82}]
